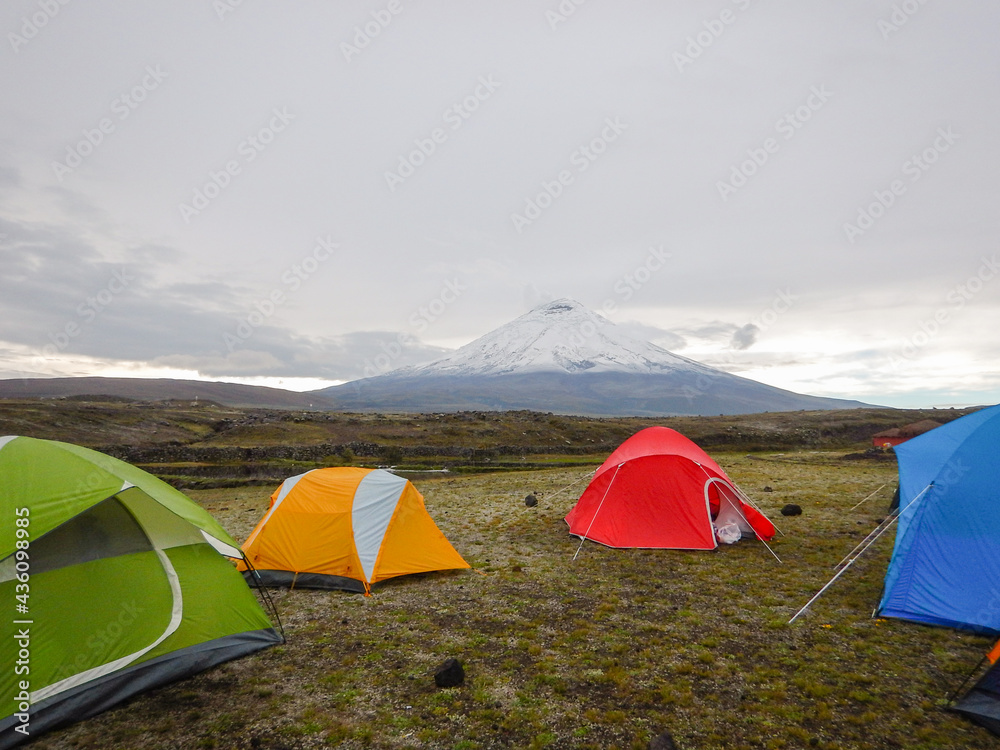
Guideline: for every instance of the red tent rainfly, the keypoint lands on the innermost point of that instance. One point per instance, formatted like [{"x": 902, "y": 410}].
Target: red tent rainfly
[{"x": 660, "y": 490}]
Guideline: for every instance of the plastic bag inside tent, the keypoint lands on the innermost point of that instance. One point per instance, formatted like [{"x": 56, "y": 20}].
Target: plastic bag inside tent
[{"x": 728, "y": 533}]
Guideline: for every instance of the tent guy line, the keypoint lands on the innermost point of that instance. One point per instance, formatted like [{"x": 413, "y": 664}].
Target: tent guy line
[
  {"x": 868, "y": 498},
  {"x": 571, "y": 484},
  {"x": 873, "y": 536},
  {"x": 841, "y": 572},
  {"x": 594, "y": 517},
  {"x": 888, "y": 520}
]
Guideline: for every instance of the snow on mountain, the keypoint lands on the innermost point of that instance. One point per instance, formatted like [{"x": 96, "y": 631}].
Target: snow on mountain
[
  {"x": 563, "y": 358},
  {"x": 561, "y": 336}
]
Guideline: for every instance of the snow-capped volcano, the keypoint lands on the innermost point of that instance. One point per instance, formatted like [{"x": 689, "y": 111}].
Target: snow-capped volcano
[
  {"x": 563, "y": 358},
  {"x": 560, "y": 336}
]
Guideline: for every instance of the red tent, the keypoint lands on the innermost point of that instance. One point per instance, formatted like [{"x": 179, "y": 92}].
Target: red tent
[{"x": 660, "y": 490}]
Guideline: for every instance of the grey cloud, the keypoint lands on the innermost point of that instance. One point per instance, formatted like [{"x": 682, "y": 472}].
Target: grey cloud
[
  {"x": 58, "y": 294},
  {"x": 281, "y": 354},
  {"x": 744, "y": 337},
  {"x": 710, "y": 330}
]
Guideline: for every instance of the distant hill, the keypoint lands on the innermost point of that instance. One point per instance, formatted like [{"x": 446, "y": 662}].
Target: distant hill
[
  {"x": 585, "y": 394},
  {"x": 162, "y": 389},
  {"x": 563, "y": 358}
]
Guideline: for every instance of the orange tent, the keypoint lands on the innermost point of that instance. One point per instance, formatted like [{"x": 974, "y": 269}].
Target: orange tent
[{"x": 345, "y": 528}]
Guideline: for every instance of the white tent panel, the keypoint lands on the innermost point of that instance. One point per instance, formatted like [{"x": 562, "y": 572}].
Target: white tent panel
[{"x": 374, "y": 503}]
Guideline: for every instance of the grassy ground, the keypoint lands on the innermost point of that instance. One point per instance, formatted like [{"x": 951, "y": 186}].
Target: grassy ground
[
  {"x": 97, "y": 423},
  {"x": 607, "y": 650}
]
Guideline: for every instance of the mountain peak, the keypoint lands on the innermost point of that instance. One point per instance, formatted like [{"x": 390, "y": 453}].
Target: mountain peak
[
  {"x": 560, "y": 336},
  {"x": 561, "y": 357},
  {"x": 558, "y": 306}
]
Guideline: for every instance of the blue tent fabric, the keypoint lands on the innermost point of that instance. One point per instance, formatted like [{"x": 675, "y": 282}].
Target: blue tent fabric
[{"x": 945, "y": 567}]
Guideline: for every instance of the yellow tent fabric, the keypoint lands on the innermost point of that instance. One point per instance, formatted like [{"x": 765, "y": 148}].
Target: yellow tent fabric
[{"x": 346, "y": 528}]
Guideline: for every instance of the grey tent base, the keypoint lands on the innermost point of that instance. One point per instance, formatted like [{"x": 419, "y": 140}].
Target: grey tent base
[
  {"x": 982, "y": 702},
  {"x": 101, "y": 694},
  {"x": 982, "y": 709},
  {"x": 288, "y": 579}
]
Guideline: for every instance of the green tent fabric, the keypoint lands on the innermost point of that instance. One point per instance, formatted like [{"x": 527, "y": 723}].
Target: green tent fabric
[{"x": 123, "y": 585}]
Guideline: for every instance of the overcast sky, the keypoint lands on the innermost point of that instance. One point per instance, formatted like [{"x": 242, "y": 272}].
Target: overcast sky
[{"x": 281, "y": 192}]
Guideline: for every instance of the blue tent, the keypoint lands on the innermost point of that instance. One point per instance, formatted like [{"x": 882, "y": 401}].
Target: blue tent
[{"x": 945, "y": 567}]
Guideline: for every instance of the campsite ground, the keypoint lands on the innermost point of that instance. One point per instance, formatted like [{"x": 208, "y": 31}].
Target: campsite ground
[{"x": 605, "y": 650}]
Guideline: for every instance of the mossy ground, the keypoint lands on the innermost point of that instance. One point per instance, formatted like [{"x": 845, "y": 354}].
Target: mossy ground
[{"x": 605, "y": 650}]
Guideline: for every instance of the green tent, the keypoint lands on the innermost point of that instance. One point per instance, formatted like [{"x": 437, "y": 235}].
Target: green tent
[{"x": 111, "y": 583}]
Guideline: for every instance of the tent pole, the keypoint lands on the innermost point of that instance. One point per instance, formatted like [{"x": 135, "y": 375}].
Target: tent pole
[
  {"x": 265, "y": 595},
  {"x": 740, "y": 493},
  {"x": 594, "y": 517},
  {"x": 968, "y": 677}
]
